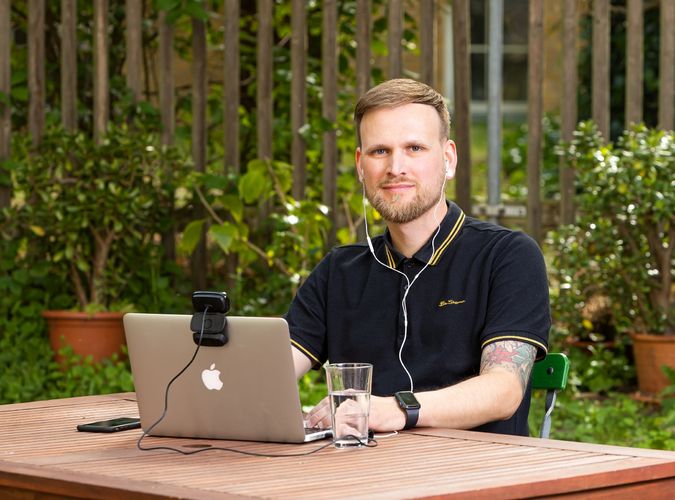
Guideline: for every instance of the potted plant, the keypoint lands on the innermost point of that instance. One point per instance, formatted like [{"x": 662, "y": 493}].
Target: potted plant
[
  {"x": 93, "y": 211},
  {"x": 621, "y": 247}
]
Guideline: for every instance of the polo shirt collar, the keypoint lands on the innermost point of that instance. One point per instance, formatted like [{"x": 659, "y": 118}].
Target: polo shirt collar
[{"x": 450, "y": 226}]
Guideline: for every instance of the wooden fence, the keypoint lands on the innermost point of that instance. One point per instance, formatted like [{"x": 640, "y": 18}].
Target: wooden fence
[{"x": 424, "y": 10}]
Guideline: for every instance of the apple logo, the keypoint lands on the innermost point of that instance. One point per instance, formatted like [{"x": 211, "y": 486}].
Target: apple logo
[{"x": 211, "y": 378}]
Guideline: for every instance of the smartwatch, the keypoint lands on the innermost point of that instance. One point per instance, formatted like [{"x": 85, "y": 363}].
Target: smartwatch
[{"x": 409, "y": 404}]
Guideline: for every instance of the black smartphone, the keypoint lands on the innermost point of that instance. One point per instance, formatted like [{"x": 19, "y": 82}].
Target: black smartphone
[{"x": 112, "y": 425}]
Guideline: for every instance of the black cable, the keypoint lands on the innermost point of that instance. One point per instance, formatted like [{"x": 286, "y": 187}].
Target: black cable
[
  {"x": 233, "y": 450},
  {"x": 166, "y": 392}
]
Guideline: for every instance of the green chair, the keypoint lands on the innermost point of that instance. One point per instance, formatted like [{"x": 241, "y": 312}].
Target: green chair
[{"x": 550, "y": 374}]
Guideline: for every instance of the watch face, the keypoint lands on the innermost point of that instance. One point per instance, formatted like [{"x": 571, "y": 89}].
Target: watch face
[{"x": 407, "y": 398}]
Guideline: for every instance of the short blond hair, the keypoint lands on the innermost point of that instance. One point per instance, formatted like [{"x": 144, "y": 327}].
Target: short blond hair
[{"x": 397, "y": 92}]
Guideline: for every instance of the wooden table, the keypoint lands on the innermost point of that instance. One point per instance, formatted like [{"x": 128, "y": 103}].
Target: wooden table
[{"x": 41, "y": 454}]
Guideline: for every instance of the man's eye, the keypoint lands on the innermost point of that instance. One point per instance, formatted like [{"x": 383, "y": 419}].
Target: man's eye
[
  {"x": 380, "y": 151},
  {"x": 416, "y": 149}
]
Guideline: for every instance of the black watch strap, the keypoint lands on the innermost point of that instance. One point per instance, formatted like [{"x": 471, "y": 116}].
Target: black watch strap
[
  {"x": 411, "y": 407},
  {"x": 411, "y": 416}
]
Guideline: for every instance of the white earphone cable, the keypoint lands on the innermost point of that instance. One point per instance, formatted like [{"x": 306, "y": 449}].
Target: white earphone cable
[{"x": 404, "y": 305}]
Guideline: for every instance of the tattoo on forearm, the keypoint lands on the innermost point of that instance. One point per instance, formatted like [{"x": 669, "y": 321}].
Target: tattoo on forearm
[{"x": 516, "y": 357}]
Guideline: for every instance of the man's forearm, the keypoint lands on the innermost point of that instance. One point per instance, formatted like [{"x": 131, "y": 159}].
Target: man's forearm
[
  {"x": 493, "y": 395},
  {"x": 486, "y": 398}
]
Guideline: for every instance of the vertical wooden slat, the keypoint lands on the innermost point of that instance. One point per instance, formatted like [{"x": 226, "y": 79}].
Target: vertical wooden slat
[
  {"x": 231, "y": 97},
  {"x": 534, "y": 128},
  {"x": 634, "y": 62},
  {"x": 231, "y": 86},
  {"x": 199, "y": 94},
  {"x": 394, "y": 37},
  {"x": 363, "y": 72},
  {"x": 427, "y": 33},
  {"x": 101, "y": 97},
  {"x": 264, "y": 80},
  {"x": 5, "y": 89},
  {"x": 494, "y": 114},
  {"x": 600, "y": 66},
  {"x": 568, "y": 106},
  {"x": 362, "y": 46},
  {"x": 69, "y": 64},
  {"x": 199, "y": 258},
  {"x": 329, "y": 66},
  {"x": 298, "y": 95},
  {"x": 36, "y": 69},
  {"x": 167, "y": 110},
  {"x": 667, "y": 66},
  {"x": 462, "y": 94},
  {"x": 134, "y": 39},
  {"x": 166, "y": 83}
]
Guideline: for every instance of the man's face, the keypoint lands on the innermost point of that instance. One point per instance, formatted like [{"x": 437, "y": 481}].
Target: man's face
[{"x": 402, "y": 160}]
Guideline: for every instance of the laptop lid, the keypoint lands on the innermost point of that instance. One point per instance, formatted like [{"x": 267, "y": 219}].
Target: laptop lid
[{"x": 243, "y": 390}]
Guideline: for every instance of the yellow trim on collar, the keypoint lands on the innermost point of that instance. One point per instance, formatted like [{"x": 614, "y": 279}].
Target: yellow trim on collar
[
  {"x": 515, "y": 337},
  {"x": 305, "y": 351},
  {"x": 390, "y": 257},
  {"x": 451, "y": 236}
]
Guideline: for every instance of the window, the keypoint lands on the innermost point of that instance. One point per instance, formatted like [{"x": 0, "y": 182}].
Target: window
[{"x": 514, "y": 62}]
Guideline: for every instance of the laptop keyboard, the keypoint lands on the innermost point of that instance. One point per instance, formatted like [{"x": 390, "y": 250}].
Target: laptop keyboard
[{"x": 312, "y": 430}]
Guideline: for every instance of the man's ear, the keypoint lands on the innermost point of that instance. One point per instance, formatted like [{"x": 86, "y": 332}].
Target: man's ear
[
  {"x": 450, "y": 155},
  {"x": 357, "y": 157}
]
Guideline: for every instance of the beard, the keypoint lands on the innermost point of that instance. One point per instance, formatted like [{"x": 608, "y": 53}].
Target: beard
[{"x": 400, "y": 212}]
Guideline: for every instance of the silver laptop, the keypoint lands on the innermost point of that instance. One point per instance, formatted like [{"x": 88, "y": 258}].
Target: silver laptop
[{"x": 243, "y": 390}]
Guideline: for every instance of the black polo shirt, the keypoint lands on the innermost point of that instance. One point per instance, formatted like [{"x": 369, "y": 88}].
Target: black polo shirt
[{"x": 484, "y": 283}]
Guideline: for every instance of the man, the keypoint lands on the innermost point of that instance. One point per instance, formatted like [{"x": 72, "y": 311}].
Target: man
[{"x": 447, "y": 307}]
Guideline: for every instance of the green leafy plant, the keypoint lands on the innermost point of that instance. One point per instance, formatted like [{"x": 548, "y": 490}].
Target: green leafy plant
[
  {"x": 295, "y": 232},
  {"x": 615, "y": 419},
  {"x": 83, "y": 377},
  {"x": 621, "y": 248},
  {"x": 514, "y": 159},
  {"x": 86, "y": 205}
]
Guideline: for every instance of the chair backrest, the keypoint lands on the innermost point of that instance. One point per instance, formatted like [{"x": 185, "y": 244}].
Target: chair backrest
[{"x": 550, "y": 374}]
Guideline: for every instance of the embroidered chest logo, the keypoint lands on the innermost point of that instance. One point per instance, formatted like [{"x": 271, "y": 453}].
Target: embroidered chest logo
[{"x": 450, "y": 302}]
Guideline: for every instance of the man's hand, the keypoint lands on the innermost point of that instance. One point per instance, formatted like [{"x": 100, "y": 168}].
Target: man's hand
[
  {"x": 319, "y": 416},
  {"x": 385, "y": 415}
]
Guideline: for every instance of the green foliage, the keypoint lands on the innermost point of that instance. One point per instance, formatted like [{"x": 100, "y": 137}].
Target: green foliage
[
  {"x": 29, "y": 285},
  {"x": 312, "y": 388},
  {"x": 514, "y": 160},
  {"x": 91, "y": 209},
  {"x": 621, "y": 248},
  {"x": 599, "y": 369},
  {"x": 24, "y": 350},
  {"x": 82, "y": 377},
  {"x": 273, "y": 255},
  {"x": 615, "y": 419}
]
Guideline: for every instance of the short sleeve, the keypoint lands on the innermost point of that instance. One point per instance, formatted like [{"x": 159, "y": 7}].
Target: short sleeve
[
  {"x": 306, "y": 316},
  {"x": 518, "y": 304}
]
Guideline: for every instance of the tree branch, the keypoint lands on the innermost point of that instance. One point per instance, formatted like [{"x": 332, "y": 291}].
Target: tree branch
[{"x": 79, "y": 288}]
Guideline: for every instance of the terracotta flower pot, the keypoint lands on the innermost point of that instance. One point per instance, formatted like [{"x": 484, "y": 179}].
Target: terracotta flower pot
[
  {"x": 651, "y": 353},
  {"x": 99, "y": 335}
]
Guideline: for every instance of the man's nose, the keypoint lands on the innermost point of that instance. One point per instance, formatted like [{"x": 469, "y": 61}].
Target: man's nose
[{"x": 397, "y": 164}]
